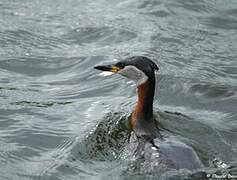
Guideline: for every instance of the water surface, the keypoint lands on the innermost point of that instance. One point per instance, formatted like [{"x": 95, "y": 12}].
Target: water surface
[{"x": 60, "y": 120}]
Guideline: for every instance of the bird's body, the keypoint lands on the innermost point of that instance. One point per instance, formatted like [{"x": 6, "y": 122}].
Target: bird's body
[
  {"x": 169, "y": 152},
  {"x": 148, "y": 139}
]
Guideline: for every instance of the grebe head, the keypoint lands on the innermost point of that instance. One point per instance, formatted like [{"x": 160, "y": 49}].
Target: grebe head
[{"x": 137, "y": 68}]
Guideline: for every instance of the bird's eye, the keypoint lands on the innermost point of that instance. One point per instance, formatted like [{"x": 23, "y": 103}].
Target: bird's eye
[{"x": 120, "y": 64}]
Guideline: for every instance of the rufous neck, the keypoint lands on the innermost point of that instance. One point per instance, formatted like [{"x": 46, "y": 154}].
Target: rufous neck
[{"x": 145, "y": 99}]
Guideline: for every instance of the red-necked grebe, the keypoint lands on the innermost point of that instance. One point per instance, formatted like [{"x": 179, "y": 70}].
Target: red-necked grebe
[{"x": 142, "y": 70}]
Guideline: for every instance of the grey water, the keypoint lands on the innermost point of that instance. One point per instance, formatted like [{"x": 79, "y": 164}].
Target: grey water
[{"x": 59, "y": 119}]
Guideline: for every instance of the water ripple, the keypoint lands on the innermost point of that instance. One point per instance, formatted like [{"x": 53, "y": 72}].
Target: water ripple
[
  {"x": 103, "y": 35},
  {"x": 59, "y": 118}
]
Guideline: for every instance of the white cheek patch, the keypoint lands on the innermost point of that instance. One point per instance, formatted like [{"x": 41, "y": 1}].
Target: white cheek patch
[{"x": 134, "y": 74}]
